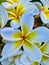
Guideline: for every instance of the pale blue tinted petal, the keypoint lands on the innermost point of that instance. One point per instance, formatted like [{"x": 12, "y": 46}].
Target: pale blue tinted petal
[
  {"x": 5, "y": 62},
  {"x": 3, "y": 15},
  {"x": 32, "y": 51},
  {"x": 25, "y": 60},
  {"x": 17, "y": 61},
  {"x": 43, "y": 18},
  {"x": 32, "y": 8},
  {"x": 10, "y": 49},
  {"x": 40, "y": 34},
  {"x": 11, "y": 34},
  {"x": 8, "y": 5},
  {"x": 39, "y": 5},
  {"x": 27, "y": 22},
  {"x": 15, "y": 23}
]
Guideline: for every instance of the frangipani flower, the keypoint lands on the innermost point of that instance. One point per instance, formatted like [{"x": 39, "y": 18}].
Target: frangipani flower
[
  {"x": 25, "y": 37},
  {"x": 3, "y": 17},
  {"x": 17, "y": 59},
  {"x": 45, "y": 55},
  {"x": 16, "y": 13},
  {"x": 44, "y": 10}
]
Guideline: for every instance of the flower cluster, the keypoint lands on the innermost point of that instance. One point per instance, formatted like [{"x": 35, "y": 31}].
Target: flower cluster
[{"x": 25, "y": 45}]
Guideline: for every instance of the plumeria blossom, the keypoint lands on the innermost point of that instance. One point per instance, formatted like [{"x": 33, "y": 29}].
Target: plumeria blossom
[
  {"x": 3, "y": 17},
  {"x": 44, "y": 10},
  {"x": 16, "y": 13},
  {"x": 45, "y": 54},
  {"x": 17, "y": 59},
  {"x": 25, "y": 37}
]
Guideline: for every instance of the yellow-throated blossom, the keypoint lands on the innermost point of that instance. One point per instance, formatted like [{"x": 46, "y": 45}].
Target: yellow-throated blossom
[
  {"x": 25, "y": 37},
  {"x": 44, "y": 10},
  {"x": 3, "y": 17},
  {"x": 17, "y": 59},
  {"x": 16, "y": 13},
  {"x": 45, "y": 54}
]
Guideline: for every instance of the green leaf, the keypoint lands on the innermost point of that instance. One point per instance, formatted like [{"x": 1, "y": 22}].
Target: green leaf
[{"x": 2, "y": 1}]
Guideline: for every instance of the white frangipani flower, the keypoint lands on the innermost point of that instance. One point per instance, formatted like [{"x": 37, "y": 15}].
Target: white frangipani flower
[
  {"x": 25, "y": 37},
  {"x": 44, "y": 10},
  {"x": 15, "y": 13}
]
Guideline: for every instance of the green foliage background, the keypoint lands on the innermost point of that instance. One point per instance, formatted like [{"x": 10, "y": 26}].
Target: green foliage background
[{"x": 2, "y": 1}]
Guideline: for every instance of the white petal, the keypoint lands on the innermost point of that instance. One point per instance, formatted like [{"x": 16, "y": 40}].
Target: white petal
[
  {"x": 11, "y": 34},
  {"x": 4, "y": 16},
  {"x": 8, "y": 5},
  {"x": 25, "y": 60},
  {"x": 32, "y": 8},
  {"x": 40, "y": 34},
  {"x": 27, "y": 22},
  {"x": 43, "y": 18},
  {"x": 39, "y": 5},
  {"x": 32, "y": 51},
  {"x": 15, "y": 23}
]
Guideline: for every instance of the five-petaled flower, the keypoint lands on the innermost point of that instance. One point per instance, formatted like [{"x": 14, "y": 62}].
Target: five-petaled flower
[
  {"x": 17, "y": 12},
  {"x": 25, "y": 37}
]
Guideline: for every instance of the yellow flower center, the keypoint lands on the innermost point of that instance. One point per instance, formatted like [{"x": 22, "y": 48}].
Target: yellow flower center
[
  {"x": 23, "y": 37},
  {"x": 46, "y": 12},
  {"x": 16, "y": 13}
]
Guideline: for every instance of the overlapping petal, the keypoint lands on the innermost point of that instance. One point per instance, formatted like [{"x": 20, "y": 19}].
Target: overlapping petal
[
  {"x": 40, "y": 34},
  {"x": 8, "y": 5},
  {"x": 12, "y": 59},
  {"x": 17, "y": 61},
  {"x": 44, "y": 14},
  {"x": 32, "y": 8},
  {"x": 10, "y": 49},
  {"x": 7, "y": 62},
  {"x": 32, "y": 51},
  {"x": 3, "y": 16},
  {"x": 45, "y": 3},
  {"x": 27, "y": 61},
  {"x": 27, "y": 22},
  {"x": 43, "y": 18},
  {"x": 11, "y": 34},
  {"x": 45, "y": 48},
  {"x": 15, "y": 23},
  {"x": 39, "y": 5},
  {"x": 45, "y": 60}
]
